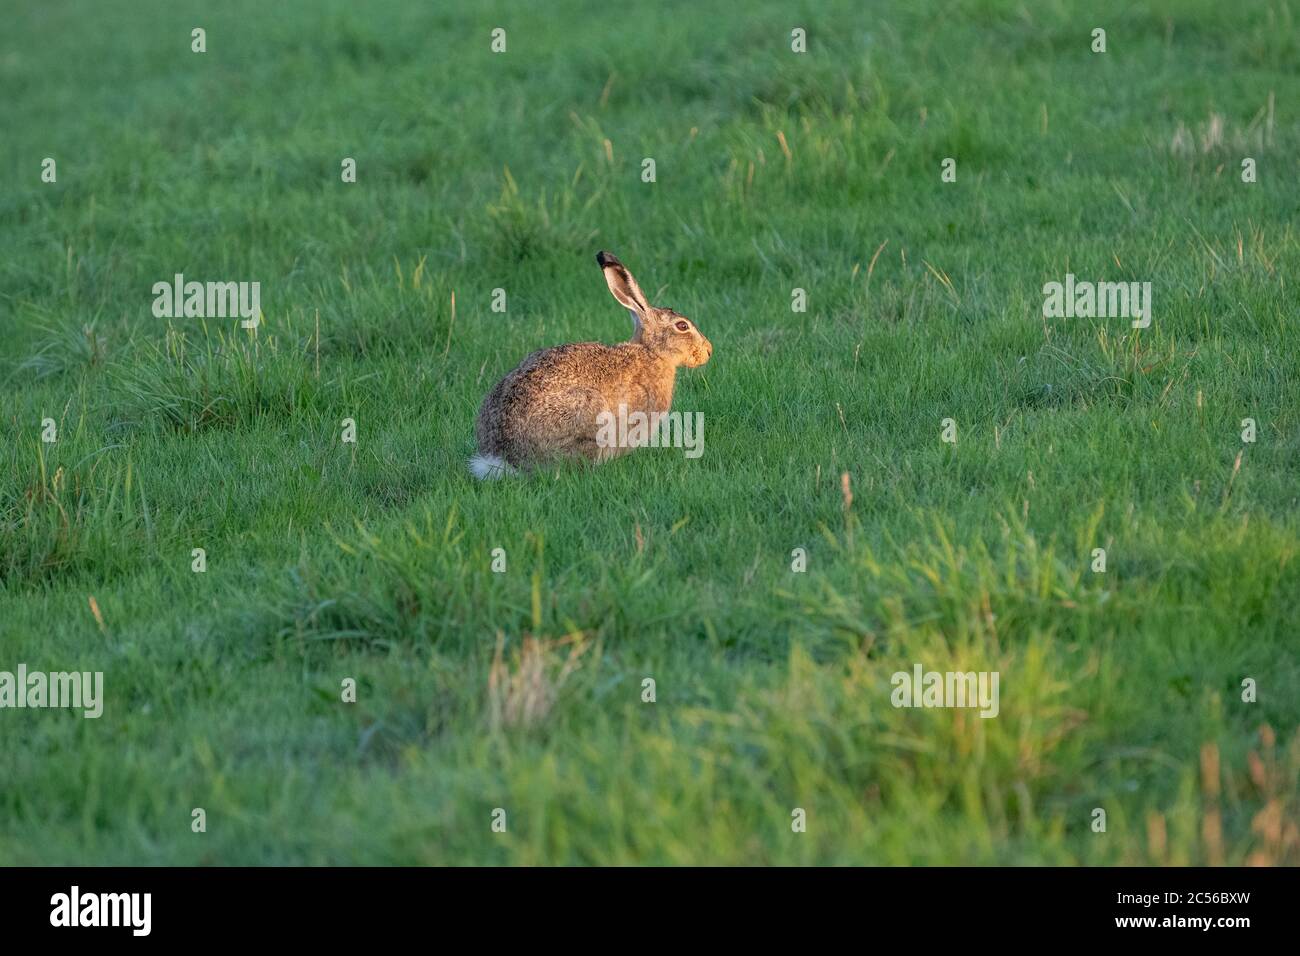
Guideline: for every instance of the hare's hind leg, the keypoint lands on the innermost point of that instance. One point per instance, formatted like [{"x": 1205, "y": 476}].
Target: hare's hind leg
[{"x": 562, "y": 424}]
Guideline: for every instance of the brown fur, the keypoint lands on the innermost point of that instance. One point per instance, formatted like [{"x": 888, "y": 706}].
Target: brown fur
[{"x": 546, "y": 408}]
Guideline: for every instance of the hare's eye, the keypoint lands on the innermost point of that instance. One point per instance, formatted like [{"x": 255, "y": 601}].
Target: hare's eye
[{"x": 683, "y": 326}]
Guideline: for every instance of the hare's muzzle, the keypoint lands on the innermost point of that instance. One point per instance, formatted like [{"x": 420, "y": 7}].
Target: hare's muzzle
[{"x": 702, "y": 353}]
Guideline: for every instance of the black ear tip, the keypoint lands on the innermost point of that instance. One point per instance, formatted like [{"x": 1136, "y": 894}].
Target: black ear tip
[{"x": 604, "y": 259}]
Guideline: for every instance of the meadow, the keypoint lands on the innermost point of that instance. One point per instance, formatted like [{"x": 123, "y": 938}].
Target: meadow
[{"x": 524, "y": 690}]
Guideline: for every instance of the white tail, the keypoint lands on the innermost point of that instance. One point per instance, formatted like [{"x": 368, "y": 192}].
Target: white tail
[{"x": 490, "y": 466}]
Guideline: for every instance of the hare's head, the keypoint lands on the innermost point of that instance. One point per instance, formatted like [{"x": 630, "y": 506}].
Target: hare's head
[{"x": 667, "y": 332}]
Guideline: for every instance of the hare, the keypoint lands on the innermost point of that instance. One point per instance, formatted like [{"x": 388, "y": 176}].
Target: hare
[{"x": 552, "y": 405}]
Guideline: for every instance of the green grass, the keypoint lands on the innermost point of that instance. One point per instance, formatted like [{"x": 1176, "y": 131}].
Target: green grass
[{"x": 522, "y": 690}]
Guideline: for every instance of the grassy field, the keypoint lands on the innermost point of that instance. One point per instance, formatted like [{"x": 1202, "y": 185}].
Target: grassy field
[{"x": 523, "y": 690}]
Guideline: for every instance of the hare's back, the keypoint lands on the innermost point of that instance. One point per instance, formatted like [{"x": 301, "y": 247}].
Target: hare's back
[{"x": 577, "y": 364}]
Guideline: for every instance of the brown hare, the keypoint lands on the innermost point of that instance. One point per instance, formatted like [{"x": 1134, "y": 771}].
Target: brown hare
[{"x": 552, "y": 405}]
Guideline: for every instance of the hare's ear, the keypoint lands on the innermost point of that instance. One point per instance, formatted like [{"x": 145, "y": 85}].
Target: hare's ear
[{"x": 624, "y": 288}]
